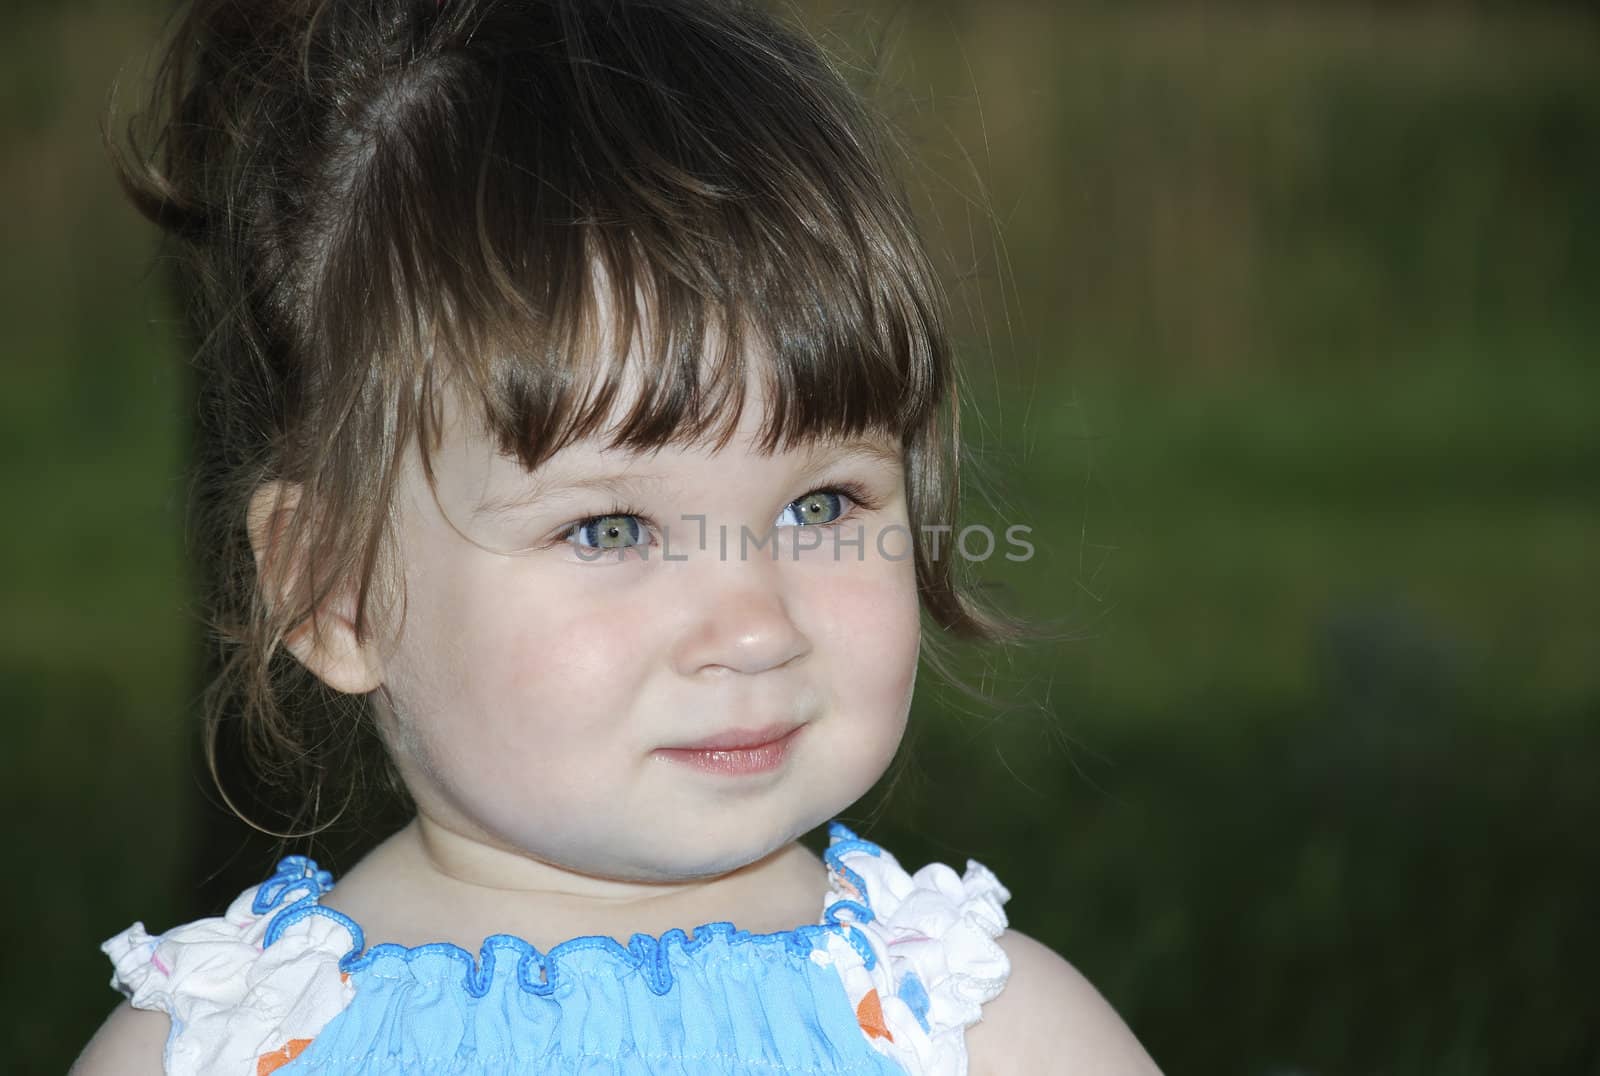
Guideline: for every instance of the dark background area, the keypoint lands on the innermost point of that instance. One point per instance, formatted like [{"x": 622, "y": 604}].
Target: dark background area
[{"x": 1281, "y": 326}]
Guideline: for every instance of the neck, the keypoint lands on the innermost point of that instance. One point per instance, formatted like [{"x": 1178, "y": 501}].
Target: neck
[
  {"x": 470, "y": 869},
  {"x": 431, "y": 882}
]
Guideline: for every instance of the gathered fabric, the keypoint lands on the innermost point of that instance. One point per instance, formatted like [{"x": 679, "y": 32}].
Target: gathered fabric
[{"x": 887, "y": 981}]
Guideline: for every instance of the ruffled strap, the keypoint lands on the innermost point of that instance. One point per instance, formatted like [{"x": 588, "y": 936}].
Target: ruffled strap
[
  {"x": 918, "y": 955},
  {"x": 246, "y": 991}
]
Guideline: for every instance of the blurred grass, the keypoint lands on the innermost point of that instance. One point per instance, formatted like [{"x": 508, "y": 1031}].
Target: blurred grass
[
  {"x": 1287, "y": 358},
  {"x": 95, "y": 651}
]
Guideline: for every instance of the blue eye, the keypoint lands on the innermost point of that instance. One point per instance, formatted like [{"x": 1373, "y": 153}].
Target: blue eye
[
  {"x": 618, "y": 531},
  {"x": 814, "y": 509}
]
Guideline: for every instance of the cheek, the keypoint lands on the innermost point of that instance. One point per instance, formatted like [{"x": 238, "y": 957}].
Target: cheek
[
  {"x": 502, "y": 644},
  {"x": 519, "y": 683},
  {"x": 873, "y": 634},
  {"x": 554, "y": 648}
]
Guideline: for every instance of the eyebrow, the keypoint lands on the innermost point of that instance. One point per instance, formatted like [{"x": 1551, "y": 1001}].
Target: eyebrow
[
  {"x": 621, "y": 486},
  {"x": 629, "y": 485},
  {"x": 877, "y": 451}
]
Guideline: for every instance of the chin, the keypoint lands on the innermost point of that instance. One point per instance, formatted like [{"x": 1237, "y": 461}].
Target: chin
[{"x": 709, "y": 851}]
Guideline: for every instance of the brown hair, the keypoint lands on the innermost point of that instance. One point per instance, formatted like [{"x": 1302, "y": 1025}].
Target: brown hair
[{"x": 374, "y": 199}]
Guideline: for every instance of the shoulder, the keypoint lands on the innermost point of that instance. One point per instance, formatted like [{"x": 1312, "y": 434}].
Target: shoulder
[
  {"x": 130, "y": 1043},
  {"x": 216, "y": 994},
  {"x": 1050, "y": 1019}
]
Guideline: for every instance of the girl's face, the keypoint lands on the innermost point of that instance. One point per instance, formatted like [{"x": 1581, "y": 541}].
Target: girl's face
[{"x": 653, "y": 665}]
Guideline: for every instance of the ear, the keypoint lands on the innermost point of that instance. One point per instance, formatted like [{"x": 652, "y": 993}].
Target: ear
[{"x": 325, "y": 642}]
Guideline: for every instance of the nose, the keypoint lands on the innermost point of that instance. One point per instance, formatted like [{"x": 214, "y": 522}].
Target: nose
[{"x": 740, "y": 624}]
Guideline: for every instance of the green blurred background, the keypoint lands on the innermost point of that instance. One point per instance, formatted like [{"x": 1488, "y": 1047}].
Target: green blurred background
[{"x": 1280, "y": 322}]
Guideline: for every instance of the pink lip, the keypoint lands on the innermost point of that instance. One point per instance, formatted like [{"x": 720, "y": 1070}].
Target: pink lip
[{"x": 737, "y": 751}]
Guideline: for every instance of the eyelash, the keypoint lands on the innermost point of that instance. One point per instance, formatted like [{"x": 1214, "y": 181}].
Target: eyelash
[{"x": 853, "y": 492}]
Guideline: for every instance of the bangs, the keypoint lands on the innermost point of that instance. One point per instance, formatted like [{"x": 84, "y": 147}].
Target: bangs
[{"x": 649, "y": 202}]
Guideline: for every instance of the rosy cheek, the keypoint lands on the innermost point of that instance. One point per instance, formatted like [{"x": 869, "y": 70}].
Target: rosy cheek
[
  {"x": 565, "y": 649},
  {"x": 872, "y": 618}
]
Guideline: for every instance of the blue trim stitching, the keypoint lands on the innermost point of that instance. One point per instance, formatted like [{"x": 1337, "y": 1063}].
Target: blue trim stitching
[{"x": 540, "y": 973}]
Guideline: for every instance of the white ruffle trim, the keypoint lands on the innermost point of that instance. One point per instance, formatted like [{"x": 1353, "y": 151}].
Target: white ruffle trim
[
  {"x": 937, "y": 962},
  {"x": 238, "y": 1005},
  {"x": 233, "y": 1002}
]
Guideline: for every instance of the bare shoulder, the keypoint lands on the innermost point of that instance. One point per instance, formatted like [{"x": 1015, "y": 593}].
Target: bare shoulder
[
  {"x": 1050, "y": 1019},
  {"x": 131, "y": 1042}
]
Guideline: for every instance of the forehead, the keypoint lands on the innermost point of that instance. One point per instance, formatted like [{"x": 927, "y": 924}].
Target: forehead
[{"x": 471, "y": 469}]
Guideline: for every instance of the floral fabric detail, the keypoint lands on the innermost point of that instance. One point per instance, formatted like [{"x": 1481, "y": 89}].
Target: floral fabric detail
[
  {"x": 239, "y": 1001},
  {"x": 922, "y": 959}
]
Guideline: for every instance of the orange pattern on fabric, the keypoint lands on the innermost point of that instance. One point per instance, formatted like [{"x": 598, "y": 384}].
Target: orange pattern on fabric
[
  {"x": 843, "y": 885},
  {"x": 272, "y": 1062},
  {"x": 869, "y": 1014}
]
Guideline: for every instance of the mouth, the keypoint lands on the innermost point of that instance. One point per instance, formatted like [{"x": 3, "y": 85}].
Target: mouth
[{"x": 737, "y": 752}]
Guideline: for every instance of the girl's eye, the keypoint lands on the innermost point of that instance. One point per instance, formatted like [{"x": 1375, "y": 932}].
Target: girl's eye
[
  {"x": 814, "y": 509},
  {"x": 618, "y": 531}
]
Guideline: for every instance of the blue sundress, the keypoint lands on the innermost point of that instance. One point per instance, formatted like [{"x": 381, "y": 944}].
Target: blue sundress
[{"x": 887, "y": 981}]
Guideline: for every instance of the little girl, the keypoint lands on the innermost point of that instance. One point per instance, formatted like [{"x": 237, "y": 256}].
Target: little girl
[{"x": 577, "y": 411}]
